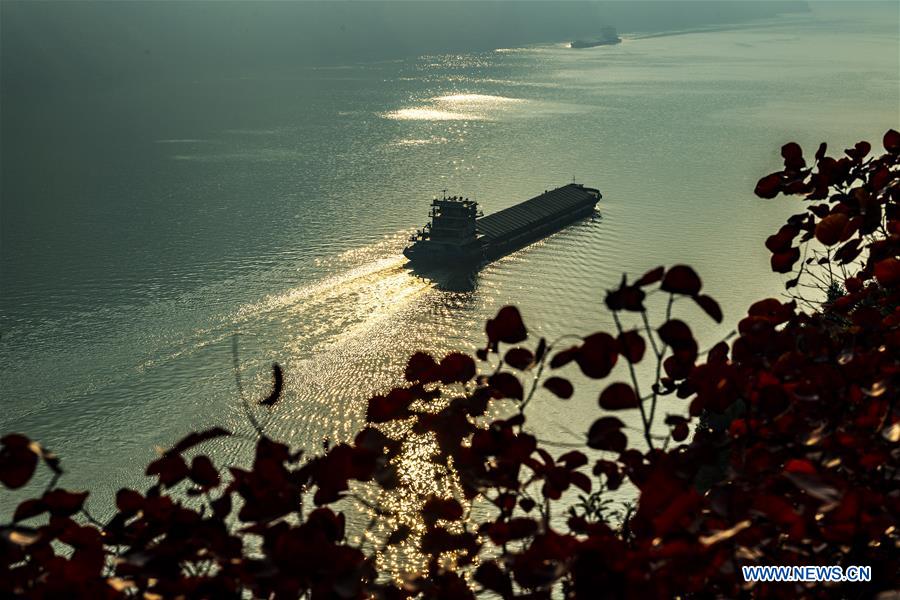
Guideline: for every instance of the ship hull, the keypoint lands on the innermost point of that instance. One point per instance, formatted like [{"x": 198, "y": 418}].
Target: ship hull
[
  {"x": 425, "y": 253},
  {"x": 580, "y": 44}
]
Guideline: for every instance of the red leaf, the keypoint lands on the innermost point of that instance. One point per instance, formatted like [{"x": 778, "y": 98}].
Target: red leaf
[
  {"x": 618, "y": 396},
  {"x": 627, "y": 297},
  {"x": 853, "y": 284},
  {"x": 820, "y": 210},
  {"x": 867, "y": 317},
  {"x": 677, "y": 334},
  {"x": 680, "y": 432},
  {"x": 457, "y": 368},
  {"x": 798, "y": 186},
  {"x": 773, "y": 309},
  {"x": 831, "y": 228},
  {"x": 447, "y": 509},
  {"x": 632, "y": 346},
  {"x": 783, "y": 262},
  {"x": 598, "y": 355},
  {"x": 564, "y": 357},
  {"x": 860, "y": 151},
  {"x": 892, "y": 141},
  {"x": 573, "y": 459},
  {"x": 387, "y": 408},
  {"x": 718, "y": 353},
  {"x": 651, "y": 276},
  {"x": 421, "y": 367},
  {"x": 680, "y": 364},
  {"x": 129, "y": 501},
  {"x": 29, "y": 508},
  {"x": 606, "y": 434},
  {"x": 17, "y": 460},
  {"x": 502, "y": 532},
  {"x": 521, "y": 527},
  {"x": 559, "y": 386},
  {"x": 848, "y": 252},
  {"x": 204, "y": 473},
  {"x": 399, "y": 535},
  {"x": 438, "y": 540},
  {"x": 612, "y": 472},
  {"x": 62, "y": 503},
  {"x": 880, "y": 179},
  {"x": 327, "y": 523},
  {"x": 493, "y": 578},
  {"x": 782, "y": 240},
  {"x": 506, "y": 385},
  {"x": 277, "y": 385},
  {"x": 793, "y": 156},
  {"x": 506, "y": 327},
  {"x": 580, "y": 480},
  {"x": 196, "y": 438},
  {"x": 170, "y": 468},
  {"x": 221, "y": 506},
  {"x": 887, "y": 271},
  {"x": 710, "y": 307},
  {"x": 681, "y": 279},
  {"x": 796, "y": 465},
  {"x": 520, "y": 358},
  {"x": 374, "y": 440},
  {"x": 769, "y": 186},
  {"x": 820, "y": 153}
]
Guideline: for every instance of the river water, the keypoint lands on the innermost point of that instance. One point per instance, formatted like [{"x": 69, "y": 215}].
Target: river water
[{"x": 145, "y": 225}]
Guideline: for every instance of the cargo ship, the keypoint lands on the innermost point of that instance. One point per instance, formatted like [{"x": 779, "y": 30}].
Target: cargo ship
[
  {"x": 608, "y": 37},
  {"x": 459, "y": 235}
]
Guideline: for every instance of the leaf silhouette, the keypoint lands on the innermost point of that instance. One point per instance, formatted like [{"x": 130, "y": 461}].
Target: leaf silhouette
[{"x": 277, "y": 384}]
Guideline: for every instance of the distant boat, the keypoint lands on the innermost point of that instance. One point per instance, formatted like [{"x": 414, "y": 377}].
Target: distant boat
[
  {"x": 608, "y": 37},
  {"x": 458, "y": 235}
]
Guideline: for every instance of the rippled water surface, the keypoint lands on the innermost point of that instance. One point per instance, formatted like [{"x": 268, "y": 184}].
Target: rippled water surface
[{"x": 143, "y": 227}]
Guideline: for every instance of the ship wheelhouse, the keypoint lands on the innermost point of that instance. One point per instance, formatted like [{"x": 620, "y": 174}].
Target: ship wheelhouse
[
  {"x": 453, "y": 222},
  {"x": 451, "y": 231}
]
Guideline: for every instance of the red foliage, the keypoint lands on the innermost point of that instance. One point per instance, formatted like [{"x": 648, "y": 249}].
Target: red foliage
[
  {"x": 632, "y": 346},
  {"x": 793, "y": 458},
  {"x": 681, "y": 279},
  {"x": 17, "y": 461},
  {"x": 618, "y": 396},
  {"x": 561, "y": 387},
  {"x": 506, "y": 327}
]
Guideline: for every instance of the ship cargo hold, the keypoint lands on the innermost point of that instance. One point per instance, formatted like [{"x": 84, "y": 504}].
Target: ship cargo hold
[{"x": 458, "y": 234}]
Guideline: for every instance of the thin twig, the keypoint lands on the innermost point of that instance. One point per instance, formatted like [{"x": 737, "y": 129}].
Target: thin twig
[
  {"x": 659, "y": 361},
  {"x": 237, "y": 377},
  {"x": 637, "y": 389}
]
